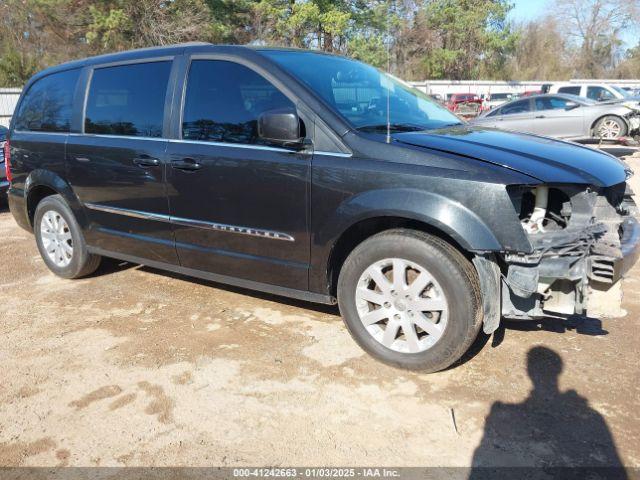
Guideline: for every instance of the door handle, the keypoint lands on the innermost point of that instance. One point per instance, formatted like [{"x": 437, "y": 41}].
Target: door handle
[
  {"x": 146, "y": 161},
  {"x": 541, "y": 116},
  {"x": 186, "y": 164}
]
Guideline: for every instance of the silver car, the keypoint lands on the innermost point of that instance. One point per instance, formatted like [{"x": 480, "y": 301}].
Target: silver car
[{"x": 563, "y": 116}]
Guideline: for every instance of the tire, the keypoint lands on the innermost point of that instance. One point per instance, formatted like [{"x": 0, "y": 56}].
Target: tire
[
  {"x": 60, "y": 228},
  {"x": 610, "y": 127},
  {"x": 455, "y": 289}
]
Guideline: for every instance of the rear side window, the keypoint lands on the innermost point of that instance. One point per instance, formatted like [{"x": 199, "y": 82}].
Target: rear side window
[
  {"x": 224, "y": 100},
  {"x": 571, "y": 90},
  {"x": 128, "y": 100},
  {"x": 522, "y": 106},
  {"x": 48, "y": 105}
]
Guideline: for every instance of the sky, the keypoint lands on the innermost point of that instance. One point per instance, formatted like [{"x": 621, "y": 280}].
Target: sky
[{"x": 524, "y": 10}]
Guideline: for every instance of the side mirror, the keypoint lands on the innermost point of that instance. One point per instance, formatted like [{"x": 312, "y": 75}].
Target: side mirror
[
  {"x": 572, "y": 106},
  {"x": 281, "y": 127}
]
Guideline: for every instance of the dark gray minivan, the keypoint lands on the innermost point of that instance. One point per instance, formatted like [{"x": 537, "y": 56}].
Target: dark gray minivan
[{"x": 316, "y": 177}]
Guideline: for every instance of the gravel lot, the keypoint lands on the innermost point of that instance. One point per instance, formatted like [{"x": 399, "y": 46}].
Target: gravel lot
[{"x": 138, "y": 367}]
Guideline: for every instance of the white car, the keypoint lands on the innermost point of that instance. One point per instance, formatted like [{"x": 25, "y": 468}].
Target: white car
[
  {"x": 600, "y": 92},
  {"x": 494, "y": 100}
]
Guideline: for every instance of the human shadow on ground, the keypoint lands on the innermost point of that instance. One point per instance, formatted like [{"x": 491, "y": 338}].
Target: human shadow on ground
[{"x": 551, "y": 434}]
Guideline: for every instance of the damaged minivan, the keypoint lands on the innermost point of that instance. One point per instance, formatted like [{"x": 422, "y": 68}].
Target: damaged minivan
[{"x": 316, "y": 177}]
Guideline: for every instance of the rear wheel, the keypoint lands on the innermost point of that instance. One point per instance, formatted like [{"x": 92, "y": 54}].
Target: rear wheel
[
  {"x": 610, "y": 127},
  {"x": 410, "y": 299},
  {"x": 60, "y": 240}
]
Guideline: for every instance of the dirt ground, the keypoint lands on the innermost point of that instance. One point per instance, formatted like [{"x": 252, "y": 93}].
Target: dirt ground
[{"x": 138, "y": 367}]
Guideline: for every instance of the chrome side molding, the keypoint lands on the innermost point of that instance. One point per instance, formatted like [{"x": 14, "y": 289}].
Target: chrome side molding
[{"x": 187, "y": 222}]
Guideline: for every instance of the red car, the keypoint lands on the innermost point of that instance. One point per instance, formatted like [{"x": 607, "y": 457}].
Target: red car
[{"x": 466, "y": 104}]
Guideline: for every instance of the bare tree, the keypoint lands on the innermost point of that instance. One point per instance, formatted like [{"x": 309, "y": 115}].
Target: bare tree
[
  {"x": 159, "y": 22},
  {"x": 541, "y": 52},
  {"x": 595, "y": 26}
]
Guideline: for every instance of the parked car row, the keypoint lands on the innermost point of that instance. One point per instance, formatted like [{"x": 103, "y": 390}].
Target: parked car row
[
  {"x": 599, "y": 92},
  {"x": 471, "y": 105},
  {"x": 564, "y": 110},
  {"x": 564, "y": 116}
]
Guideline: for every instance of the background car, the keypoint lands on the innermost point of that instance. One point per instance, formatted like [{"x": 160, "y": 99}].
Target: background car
[
  {"x": 4, "y": 183},
  {"x": 465, "y": 104},
  {"x": 563, "y": 116},
  {"x": 494, "y": 100},
  {"x": 600, "y": 92},
  {"x": 634, "y": 92}
]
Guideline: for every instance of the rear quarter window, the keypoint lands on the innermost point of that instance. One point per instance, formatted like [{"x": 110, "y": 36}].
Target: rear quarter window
[{"x": 48, "y": 104}]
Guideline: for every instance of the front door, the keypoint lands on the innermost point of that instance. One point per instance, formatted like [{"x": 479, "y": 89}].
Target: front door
[
  {"x": 240, "y": 207},
  {"x": 558, "y": 117},
  {"x": 117, "y": 166}
]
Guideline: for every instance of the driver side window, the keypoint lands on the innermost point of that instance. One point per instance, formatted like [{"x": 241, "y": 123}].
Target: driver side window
[
  {"x": 599, "y": 94},
  {"x": 224, "y": 100}
]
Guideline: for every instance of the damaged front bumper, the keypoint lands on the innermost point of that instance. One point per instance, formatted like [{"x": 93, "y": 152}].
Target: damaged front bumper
[{"x": 587, "y": 237}]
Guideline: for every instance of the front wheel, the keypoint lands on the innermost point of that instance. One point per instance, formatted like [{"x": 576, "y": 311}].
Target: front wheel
[
  {"x": 60, "y": 240},
  {"x": 410, "y": 300},
  {"x": 610, "y": 127}
]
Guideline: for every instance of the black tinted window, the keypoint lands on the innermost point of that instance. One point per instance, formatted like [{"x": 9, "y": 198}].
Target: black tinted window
[
  {"x": 224, "y": 100},
  {"x": 48, "y": 104},
  {"x": 516, "y": 107},
  {"x": 552, "y": 103},
  {"x": 128, "y": 100},
  {"x": 571, "y": 90}
]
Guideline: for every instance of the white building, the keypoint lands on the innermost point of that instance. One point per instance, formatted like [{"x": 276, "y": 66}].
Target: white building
[
  {"x": 484, "y": 87},
  {"x": 8, "y": 100}
]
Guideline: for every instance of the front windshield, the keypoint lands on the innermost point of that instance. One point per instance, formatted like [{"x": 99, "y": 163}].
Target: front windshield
[
  {"x": 621, "y": 91},
  {"x": 360, "y": 93}
]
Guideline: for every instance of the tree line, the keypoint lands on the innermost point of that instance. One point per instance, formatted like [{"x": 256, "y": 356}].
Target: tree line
[{"x": 415, "y": 39}]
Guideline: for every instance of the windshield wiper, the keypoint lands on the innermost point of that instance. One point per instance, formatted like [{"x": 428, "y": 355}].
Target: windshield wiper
[{"x": 446, "y": 125}]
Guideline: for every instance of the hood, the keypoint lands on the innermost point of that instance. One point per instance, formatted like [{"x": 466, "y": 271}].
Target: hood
[{"x": 546, "y": 159}]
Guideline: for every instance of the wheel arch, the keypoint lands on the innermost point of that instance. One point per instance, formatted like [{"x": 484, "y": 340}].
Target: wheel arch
[
  {"x": 42, "y": 183},
  {"x": 595, "y": 122},
  {"x": 374, "y": 211},
  {"x": 360, "y": 231}
]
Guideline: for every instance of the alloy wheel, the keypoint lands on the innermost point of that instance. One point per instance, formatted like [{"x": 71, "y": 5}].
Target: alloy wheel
[
  {"x": 56, "y": 238},
  {"x": 609, "y": 129},
  {"x": 401, "y": 305}
]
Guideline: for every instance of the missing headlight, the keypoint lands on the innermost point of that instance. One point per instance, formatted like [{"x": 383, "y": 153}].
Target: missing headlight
[{"x": 541, "y": 208}]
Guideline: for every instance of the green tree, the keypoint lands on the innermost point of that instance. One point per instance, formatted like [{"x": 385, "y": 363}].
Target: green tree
[
  {"x": 473, "y": 38},
  {"x": 317, "y": 24}
]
